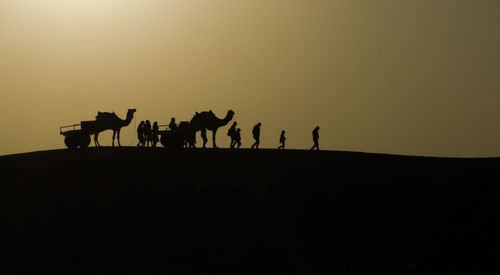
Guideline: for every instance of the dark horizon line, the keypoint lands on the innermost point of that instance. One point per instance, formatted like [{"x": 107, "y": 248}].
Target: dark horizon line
[{"x": 110, "y": 148}]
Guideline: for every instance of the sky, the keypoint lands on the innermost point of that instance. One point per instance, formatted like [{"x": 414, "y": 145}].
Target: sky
[{"x": 385, "y": 76}]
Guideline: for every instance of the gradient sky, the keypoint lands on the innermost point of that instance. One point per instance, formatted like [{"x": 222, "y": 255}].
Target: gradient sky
[{"x": 389, "y": 76}]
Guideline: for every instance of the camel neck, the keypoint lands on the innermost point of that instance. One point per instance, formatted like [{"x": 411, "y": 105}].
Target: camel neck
[
  {"x": 226, "y": 119},
  {"x": 127, "y": 121}
]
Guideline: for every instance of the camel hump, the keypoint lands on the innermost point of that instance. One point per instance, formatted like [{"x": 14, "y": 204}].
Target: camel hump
[
  {"x": 105, "y": 115},
  {"x": 204, "y": 115}
]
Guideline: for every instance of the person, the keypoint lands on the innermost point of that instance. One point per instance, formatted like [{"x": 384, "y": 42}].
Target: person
[
  {"x": 282, "y": 140},
  {"x": 232, "y": 133},
  {"x": 256, "y": 135},
  {"x": 315, "y": 138},
  {"x": 237, "y": 138},
  {"x": 147, "y": 132},
  {"x": 155, "y": 132},
  {"x": 140, "y": 134},
  {"x": 204, "y": 137},
  {"x": 172, "y": 124}
]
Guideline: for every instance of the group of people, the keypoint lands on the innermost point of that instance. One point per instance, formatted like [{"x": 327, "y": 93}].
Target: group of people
[
  {"x": 235, "y": 134},
  {"x": 147, "y": 134}
]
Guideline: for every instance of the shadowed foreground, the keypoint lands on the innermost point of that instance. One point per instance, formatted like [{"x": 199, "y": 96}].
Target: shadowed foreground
[{"x": 133, "y": 209}]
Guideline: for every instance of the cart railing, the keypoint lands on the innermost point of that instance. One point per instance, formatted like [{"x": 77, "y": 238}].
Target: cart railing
[
  {"x": 164, "y": 127},
  {"x": 69, "y": 126}
]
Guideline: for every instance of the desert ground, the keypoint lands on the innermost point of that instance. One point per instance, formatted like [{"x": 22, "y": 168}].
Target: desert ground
[{"x": 143, "y": 209}]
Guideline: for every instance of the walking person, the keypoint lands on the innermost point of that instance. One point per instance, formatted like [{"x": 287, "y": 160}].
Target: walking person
[
  {"x": 147, "y": 132},
  {"x": 256, "y": 135},
  {"x": 154, "y": 134},
  {"x": 315, "y": 138},
  {"x": 237, "y": 138},
  {"x": 140, "y": 134},
  {"x": 282, "y": 140},
  {"x": 232, "y": 133}
]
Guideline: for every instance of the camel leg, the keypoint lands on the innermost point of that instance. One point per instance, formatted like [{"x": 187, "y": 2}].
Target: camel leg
[
  {"x": 119, "y": 145},
  {"x": 214, "y": 132},
  {"x": 96, "y": 141},
  {"x": 204, "y": 137},
  {"x": 113, "y": 143}
]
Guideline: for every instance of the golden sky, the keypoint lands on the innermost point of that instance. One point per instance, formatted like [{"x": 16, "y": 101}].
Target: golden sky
[{"x": 389, "y": 76}]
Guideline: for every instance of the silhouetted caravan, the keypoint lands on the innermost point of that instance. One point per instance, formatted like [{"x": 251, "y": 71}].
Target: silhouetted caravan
[
  {"x": 208, "y": 120},
  {"x": 79, "y": 136}
]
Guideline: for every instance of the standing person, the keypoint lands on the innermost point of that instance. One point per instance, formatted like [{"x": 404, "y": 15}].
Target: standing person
[
  {"x": 172, "y": 124},
  {"x": 232, "y": 133},
  {"x": 256, "y": 135},
  {"x": 282, "y": 140},
  {"x": 140, "y": 134},
  {"x": 315, "y": 138},
  {"x": 155, "y": 132},
  {"x": 147, "y": 132},
  {"x": 204, "y": 137},
  {"x": 237, "y": 138}
]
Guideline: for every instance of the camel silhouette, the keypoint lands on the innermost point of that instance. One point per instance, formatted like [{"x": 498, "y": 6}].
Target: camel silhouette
[
  {"x": 107, "y": 121},
  {"x": 208, "y": 121}
]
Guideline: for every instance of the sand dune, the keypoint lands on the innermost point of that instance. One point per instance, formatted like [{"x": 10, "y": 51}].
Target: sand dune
[{"x": 133, "y": 209}]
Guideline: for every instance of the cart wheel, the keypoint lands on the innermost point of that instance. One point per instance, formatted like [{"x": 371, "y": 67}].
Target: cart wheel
[
  {"x": 176, "y": 141},
  {"x": 71, "y": 141},
  {"x": 84, "y": 140}
]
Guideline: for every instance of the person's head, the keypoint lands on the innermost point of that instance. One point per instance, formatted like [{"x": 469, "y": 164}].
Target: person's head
[
  {"x": 259, "y": 124},
  {"x": 148, "y": 122},
  {"x": 173, "y": 119},
  {"x": 142, "y": 122},
  {"x": 238, "y": 130},
  {"x": 155, "y": 123},
  {"x": 283, "y": 131},
  {"x": 317, "y": 128}
]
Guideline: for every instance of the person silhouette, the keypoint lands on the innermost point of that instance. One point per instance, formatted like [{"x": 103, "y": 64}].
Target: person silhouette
[
  {"x": 172, "y": 124},
  {"x": 204, "y": 137},
  {"x": 140, "y": 134},
  {"x": 315, "y": 138},
  {"x": 232, "y": 133},
  {"x": 256, "y": 135},
  {"x": 237, "y": 138},
  {"x": 147, "y": 132},
  {"x": 154, "y": 134},
  {"x": 282, "y": 140}
]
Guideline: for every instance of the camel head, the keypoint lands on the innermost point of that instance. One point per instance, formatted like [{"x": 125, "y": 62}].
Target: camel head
[
  {"x": 230, "y": 114},
  {"x": 130, "y": 114}
]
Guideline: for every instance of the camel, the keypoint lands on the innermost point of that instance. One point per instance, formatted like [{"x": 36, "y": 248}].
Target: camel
[
  {"x": 208, "y": 121},
  {"x": 108, "y": 121}
]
